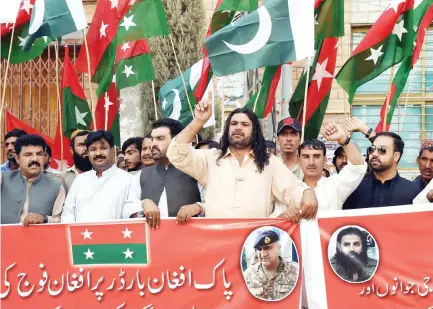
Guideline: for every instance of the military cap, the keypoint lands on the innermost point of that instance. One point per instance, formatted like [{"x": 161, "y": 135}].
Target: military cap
[{"x": 265, "y": 238}]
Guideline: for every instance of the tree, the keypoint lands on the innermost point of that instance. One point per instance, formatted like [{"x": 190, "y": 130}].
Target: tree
[{"x": 186, "y": 21}]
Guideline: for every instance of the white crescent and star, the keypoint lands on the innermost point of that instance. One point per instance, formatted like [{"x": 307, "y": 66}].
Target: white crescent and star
[
  {"x": 114, "y": 3},
  {"x": 260, "y": 39},
  {"x": 38, "y": 16},
  {"x": 27, "y": 6},
  {"x": 394, "y": 4},
  {"x": 177, "y": 105},
  {"x": 128, "y": 71},
  {"x": 107, "y": 101},
  {"x": 103, "y": 30},
  {"x": 125, "y": 47},
  {"x": 399, "y": 29}
]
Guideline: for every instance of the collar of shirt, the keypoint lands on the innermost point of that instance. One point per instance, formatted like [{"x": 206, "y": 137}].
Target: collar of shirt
[
  {"x": 294, "y": 169},
  {"x": 6, "y": 167},
  {"x": 389, "y": 181},
  {"x": 32, "y": 180},
  {"x": 419, "y": 182},
  {"x": 229, "y": 152},
  {"x": 106, "y": 173},
  {"x": 73, "y": 169}
]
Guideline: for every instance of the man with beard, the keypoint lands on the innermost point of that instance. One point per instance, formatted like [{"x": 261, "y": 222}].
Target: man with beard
[
  {"x": 146, "y": 151},
  {"x": 350, "y": 261},
  {"x": 81, "y": 157},
  {"x": 131, "y": 149},
  {"x": 384, "y": 186},
  {"x": 30, "y": 196},
  {"x": 10, "y": 138},
  {"x": 242, "y": 179},
  {"x": 100, "y": 194},
  {"x": 289, "y": 137},
  {"x": 162, "y": 190},
  {"x": 271, "y": 278},
  {"x": 340, "y": 159}
]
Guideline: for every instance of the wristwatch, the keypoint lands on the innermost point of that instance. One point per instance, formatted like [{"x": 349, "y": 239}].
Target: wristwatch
[
  {"x": 346, "y": 142},
  {"x": 369, "y": 133},
  {"x": 45, "y": 218}
]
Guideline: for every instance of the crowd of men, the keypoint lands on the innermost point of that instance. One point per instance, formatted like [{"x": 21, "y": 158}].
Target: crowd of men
[
  {"x": 164, "y": 175},
  {"x": 170, "y": 173}
]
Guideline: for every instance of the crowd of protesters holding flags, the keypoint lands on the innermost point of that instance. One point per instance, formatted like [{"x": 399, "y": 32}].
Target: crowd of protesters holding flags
[{"x": 165, "y": 175}]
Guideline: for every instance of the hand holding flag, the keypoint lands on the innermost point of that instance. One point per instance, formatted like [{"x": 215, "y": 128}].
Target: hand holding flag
[{"x": 203, "y": 111}]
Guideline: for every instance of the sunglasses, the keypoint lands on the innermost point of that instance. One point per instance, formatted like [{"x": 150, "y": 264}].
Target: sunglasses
[{"x": 381, "y": 150}]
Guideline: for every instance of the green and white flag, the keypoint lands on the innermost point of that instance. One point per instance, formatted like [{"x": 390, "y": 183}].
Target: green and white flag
[
  {"x": 173, "y": 97},
  {"x": 55, "y": 18},
  {"x": 18, "y": 55},
  {"x": 278, "y": 32}
]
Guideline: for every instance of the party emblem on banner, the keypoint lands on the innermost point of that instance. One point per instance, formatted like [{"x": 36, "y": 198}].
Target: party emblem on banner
[{"x": 108, "y": 244}]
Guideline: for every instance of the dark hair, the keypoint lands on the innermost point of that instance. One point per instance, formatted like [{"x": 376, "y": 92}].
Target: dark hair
[
  {"x": 261, "y": 155},
  {"x": 353, "y": 231},
  {"x": 15, "y": 133},
  {"x": 270, "y": 144},
  {"x": 338, "y": 152},
  {"x": 99, "y": 135},
  {"x": 29, "y": 140},
  {"x": 133, "y": 141},
  {"x": 398, "y": 142},
  {"x": 312, "y": 143},
  {"x": 199, "y": 137},
  {"x": 211, "y": 144},
  {"x": 72, "y": 142},
  {"x": 175, "y": 126},
  {"x": 149, "y": 135},
  {"x": 48, "y": 151}
]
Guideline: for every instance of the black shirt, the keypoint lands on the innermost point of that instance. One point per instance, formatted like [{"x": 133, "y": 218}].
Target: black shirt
[{"x": 373, "y": 193}]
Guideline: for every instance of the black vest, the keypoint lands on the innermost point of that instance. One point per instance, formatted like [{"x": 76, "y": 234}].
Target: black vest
[{"x": 180, "y": 188}]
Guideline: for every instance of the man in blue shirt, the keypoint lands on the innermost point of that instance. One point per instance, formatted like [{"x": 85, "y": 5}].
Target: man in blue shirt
[
  {"x": 10, "y": 138},
  {"x": 425, "y": 164},
  {"x": 384, "y": 186}
]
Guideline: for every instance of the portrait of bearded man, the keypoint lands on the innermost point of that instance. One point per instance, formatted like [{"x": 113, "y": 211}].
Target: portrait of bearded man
[{"x": 351, "y": 262}]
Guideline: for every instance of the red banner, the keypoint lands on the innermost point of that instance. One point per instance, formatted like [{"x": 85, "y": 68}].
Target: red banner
[
  {"x": 204, "y": 264},
  {"x": 376, "y": 258}
]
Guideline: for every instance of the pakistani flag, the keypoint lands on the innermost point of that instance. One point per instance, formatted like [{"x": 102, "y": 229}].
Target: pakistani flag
[
  {"x": 278, "y": 32},
  {"x": 145, "y": 19},
  {"x": 54, "y": 18},
  {"x": 18, "y": 55},
  {"x": 114, "y": 244},
  {"x": 266, "y": 101},
  {"x": 75, "y": 110},
  {"x": 173, "y": 97}
]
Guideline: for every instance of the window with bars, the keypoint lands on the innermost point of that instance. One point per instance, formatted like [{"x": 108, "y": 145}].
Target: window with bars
[{"x": 413, "y": 116}]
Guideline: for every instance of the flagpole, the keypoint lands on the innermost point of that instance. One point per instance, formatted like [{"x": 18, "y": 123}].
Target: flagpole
[
  {"x": 387, "y": 98},
  {"x": 92, "y": 102},
  {"x": 400, "y": 124},
  {"x": 106, "y": 112},
  {"x": 181, "y": 75},
  {"x": 154, "y": 100},
  {"x": 257, "y": 98},
  {"x": 304, "y": 112},
  {"x": 57, "y": 47},
  {"x": 3, "y": 97}
]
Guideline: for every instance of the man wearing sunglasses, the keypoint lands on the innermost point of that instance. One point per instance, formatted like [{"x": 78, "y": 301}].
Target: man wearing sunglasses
[{"x": 384, "y": 186}]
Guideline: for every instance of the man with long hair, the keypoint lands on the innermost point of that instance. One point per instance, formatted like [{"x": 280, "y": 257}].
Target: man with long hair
[
  {"x": 242, "y": 179},
  {"x": 350, "y": 261}
]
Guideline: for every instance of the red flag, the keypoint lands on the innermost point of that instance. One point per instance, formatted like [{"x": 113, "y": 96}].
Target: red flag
[
  {"x": 107, "y": 101},
  {"x": 425, "y": 23},
  {"x": 102, "y": 31},
  {"x": 13, "y": 122},
  {"x": 23, "y": 17},
  {"x": 68, "y": 160}
]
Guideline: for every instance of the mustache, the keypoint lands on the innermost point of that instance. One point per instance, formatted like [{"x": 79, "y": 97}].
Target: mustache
[
  {"x": 99, "y": 157},
  {"x": 36, "y": 163},
  {"x": 238, "y": 133}
]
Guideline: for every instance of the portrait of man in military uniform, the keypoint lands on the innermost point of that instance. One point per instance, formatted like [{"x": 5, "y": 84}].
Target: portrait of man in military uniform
[
  {"x": 270, "y": 277},
  {"x": 351, "y": 262}
]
